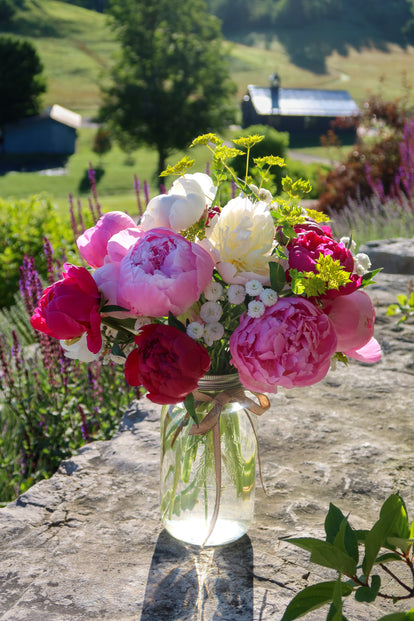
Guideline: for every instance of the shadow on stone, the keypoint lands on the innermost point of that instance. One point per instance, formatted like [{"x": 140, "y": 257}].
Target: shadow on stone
[{"x": 192, "y": 584}]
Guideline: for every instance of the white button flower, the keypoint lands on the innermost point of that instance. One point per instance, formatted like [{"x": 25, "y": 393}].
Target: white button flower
[
  {"x": 348, "y": 243},
  {"x": 255, "y": 309},
  {"x": 213, "y": 332},
  {"x": 362, "y": 263},
  {"x": 268, "y": 297},
  {"x": 254, "y": 287},
  {"x": 236, "y": 294},
  {"x": 213, "y": 291},
  {"x": 195, "y": 330},
  {"x": 211, "y": 312}
]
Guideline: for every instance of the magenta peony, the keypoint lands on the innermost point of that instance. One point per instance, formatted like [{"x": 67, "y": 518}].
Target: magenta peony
[
  {"x": 163, "y": 272},
  {"x": 305, "y": 249},
  {"x": 291, "y": 344},
  {"x": 93, "y": 242},
  {"x": 70, "y": 307},
  {"x": 167, "y": 362}
]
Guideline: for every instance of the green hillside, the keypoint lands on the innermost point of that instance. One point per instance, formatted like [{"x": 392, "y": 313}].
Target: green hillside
[{"x": 76, "y": 48}]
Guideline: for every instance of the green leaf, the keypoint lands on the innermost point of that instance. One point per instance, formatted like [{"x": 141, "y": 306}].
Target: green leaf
[
  {"x": 277, "y": 276},
  {"x": 326, "y": 554},
  {"x": 336, "y": 606},
  {"x": 111, "y": 308},
  {"x": 117, "y": 351},
  {"x": 402, "y": 299},
  {"x": 393, "y": 521},
  {"x": 332, "y": 614},
  {"x": 399, "y": 542},
  {"x": 399, "y": 616},
  {"x": 367, "y": 278},
  {"x": 339, "y": 532},
  {"x": 368, "y": 593},
  {"x": 175, "y": 323},
  {"x": 190, "y": 407},
  {"x": 388, "y": 557},
  {"x": 313, "y": 597}
]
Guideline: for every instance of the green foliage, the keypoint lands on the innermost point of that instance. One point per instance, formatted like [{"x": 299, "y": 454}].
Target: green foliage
[
  {"x": 21, "y": 79},
  {"x": 93, "y": 5},
  {"x": 49, "y": 407},
  {"x": 404, "y": 307},
  {"x": 374, "y": 164},
  {"x": 102, "y": 142},
  {"x": 273, "y": 143},
  {"x": 24, "y": 224},
  {"x": 7, "y": 10},
  {"x": 340, "y": 551},
  {"x": 171, "y": 81}
]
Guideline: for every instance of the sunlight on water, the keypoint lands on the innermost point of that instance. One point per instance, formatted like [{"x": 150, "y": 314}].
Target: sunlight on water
[{"x": 194, "y": 530}]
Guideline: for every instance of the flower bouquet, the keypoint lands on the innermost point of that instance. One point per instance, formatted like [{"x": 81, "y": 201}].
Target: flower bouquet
[{"x": 218, "y": 294}]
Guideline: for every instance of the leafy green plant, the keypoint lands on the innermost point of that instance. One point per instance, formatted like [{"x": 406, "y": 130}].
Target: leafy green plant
[
  {"x": 359, "y": 557},
  {"x": 24, "y": 224},
  {"x": 273, "y": 142},
  {"x": 403, "y": 308},
  {"x": 50, "y": 405}
]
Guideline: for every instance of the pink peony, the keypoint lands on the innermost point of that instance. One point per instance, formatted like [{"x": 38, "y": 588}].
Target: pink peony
[
  {"x": 353, "y": 318},
  {"x": 167, "y": 362},
  {"x": 70, "y": 307},
  {"x": 291, "y": 344},
  {"x": 93, "y": 242},
  {"x": 163, "y": 272},
  {"x": 369, "y": 353}
]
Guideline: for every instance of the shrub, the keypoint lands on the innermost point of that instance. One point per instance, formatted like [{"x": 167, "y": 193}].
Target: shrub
[
  {"x": 7, "y": 10},
  {"x": 24, "y": 224},
  {"x": 49, "y": 405},
  {"x": 102, "y": 142},
  {"x": 373, "y": 166}
]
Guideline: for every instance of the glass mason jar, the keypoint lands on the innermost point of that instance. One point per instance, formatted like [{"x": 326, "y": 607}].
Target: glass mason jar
[{"x": 193, "y": 509}]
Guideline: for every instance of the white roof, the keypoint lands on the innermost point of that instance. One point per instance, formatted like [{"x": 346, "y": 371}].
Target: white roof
[
  {"x": 302, "y": 102},
  {"x": 65, "y": 116}
]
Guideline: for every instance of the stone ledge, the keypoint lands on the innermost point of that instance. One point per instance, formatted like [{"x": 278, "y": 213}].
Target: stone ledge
[
  {"x": 87, "y": 544},
  {"x": 395, "y": 256}
]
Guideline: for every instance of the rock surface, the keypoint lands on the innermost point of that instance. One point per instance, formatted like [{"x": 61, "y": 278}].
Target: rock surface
[
  {"x": 87, "y": 544},
  {"x": 395, "y": 256}
]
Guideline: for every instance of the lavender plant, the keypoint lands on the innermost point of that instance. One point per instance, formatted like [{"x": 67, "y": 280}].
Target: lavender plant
[{"x": 50, "y": 405}]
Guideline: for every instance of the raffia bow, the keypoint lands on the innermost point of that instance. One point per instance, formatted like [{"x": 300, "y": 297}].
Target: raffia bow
[{"x": 212, "y": 422}]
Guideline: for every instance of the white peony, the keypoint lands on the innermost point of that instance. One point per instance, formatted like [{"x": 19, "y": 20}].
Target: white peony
[
  {"x": 78, "y": 349},
  {"x": 243, "y": 236},
  {"x": 182, "y": 207}
]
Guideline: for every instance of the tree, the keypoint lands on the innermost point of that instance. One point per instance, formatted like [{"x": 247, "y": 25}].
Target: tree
[
  {"x": 21, "y": 79},
  {"x": 171, "y": 81}
]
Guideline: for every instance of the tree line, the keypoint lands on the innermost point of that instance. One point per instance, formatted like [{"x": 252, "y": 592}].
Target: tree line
[{"x": 248, "y": 15}]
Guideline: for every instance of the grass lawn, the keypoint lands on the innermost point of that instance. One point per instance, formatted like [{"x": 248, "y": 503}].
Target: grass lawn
[
  {"x": 115, "y": 186},
  {"x": 77, "y": 48}
]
